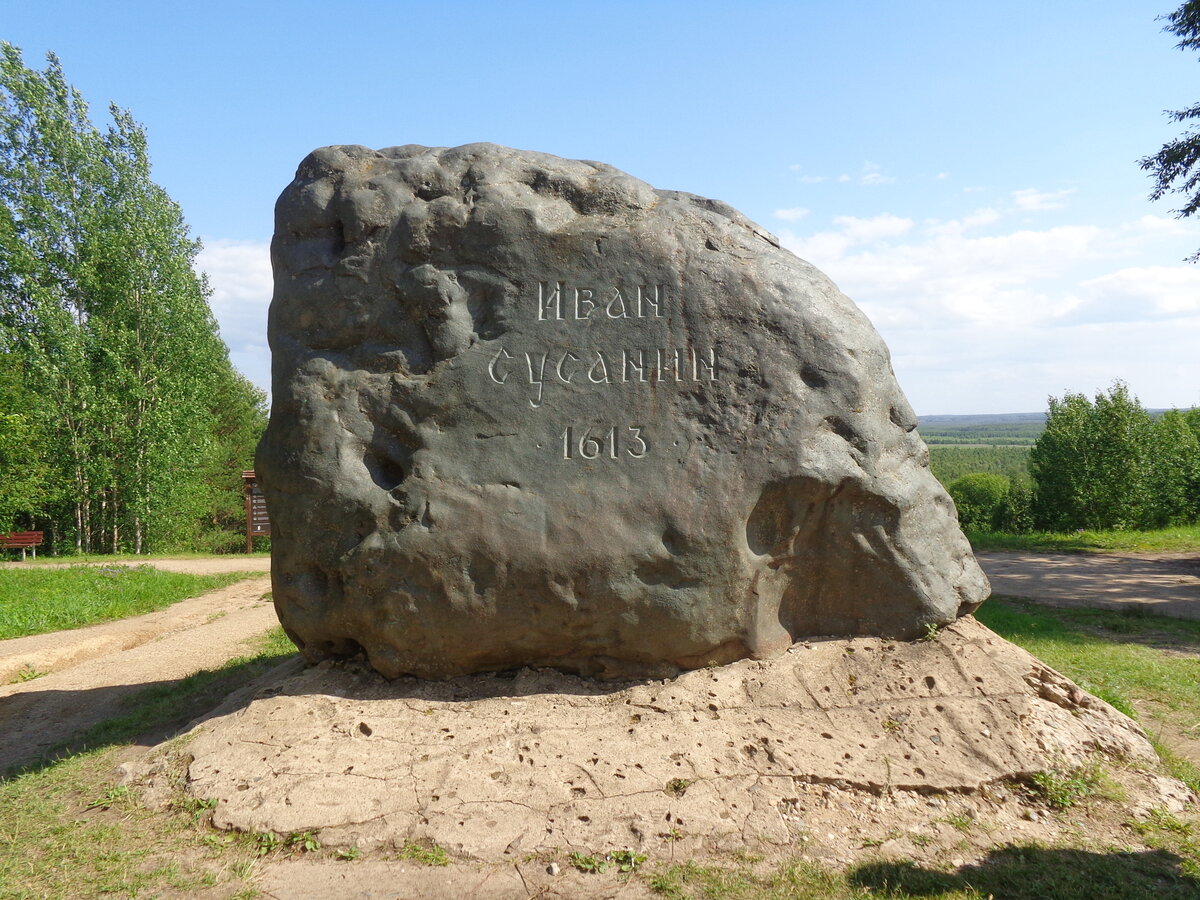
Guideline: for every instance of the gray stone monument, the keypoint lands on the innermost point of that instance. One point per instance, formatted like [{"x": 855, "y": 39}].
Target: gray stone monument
[{"x": 530, "y": 411}]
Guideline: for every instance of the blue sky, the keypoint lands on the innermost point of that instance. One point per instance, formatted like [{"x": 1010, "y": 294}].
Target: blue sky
[{"x": 966, "y": 172}]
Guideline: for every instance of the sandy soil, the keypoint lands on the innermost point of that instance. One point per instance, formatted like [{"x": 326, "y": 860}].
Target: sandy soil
[
  {"x": 843, "y": 751},
  {"x": 92, "y": 670}
]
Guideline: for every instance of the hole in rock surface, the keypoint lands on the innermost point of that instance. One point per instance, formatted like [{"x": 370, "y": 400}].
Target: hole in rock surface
[
  {"x": 386, "y": 473},
  {"x": 813, "y": 377}
]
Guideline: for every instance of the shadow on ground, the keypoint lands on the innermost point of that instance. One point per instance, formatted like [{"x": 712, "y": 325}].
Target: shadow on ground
[
  {"x": 150, "y": 713},
  {"x": 1038, "y": 873},
  {"x": 1161, "y": 586},
  {"x": 1019, "y": 618}
]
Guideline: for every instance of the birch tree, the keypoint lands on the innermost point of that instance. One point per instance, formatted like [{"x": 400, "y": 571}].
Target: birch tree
[{"x": 104, "y": 308}]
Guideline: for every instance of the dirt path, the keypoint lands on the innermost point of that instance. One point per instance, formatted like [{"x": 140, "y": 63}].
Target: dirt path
[
  {"x": 93, "y": 671},
  {"x": 1166, "y": 584},
  {"x": 204, "y": 565}
]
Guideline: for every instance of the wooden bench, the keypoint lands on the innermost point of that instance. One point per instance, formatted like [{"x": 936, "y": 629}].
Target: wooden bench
[{"x": 22, "y": 540}]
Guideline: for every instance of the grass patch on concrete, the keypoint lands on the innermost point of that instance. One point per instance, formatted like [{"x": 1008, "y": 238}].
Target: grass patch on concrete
[
  {"x": 43, "y": 599},
  {"x": 1183, "y": 539}
]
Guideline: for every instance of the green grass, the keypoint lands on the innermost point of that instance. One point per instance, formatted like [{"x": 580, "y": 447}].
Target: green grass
[
  {"x": 1027, "y": 872},
  {"x": 799, "y": 880},
  {"x": 426, "y": 854},
  {"x": 104, "y": 558},
  {"x": 68, "y": 830},
  {"x": 1034, "y": 872},
  {"x": 52, "y": 845},
  {"x": 38, "y": 600},
  {"x": 1182, "y": 539},
  {"x": 1062, "y": 787}
]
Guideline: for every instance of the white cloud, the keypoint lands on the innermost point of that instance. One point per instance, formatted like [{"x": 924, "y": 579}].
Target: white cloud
[
  {"x": 1143, "y": 292},
  {"x": 1032, "y": 199},
  {"x": 872, "y": 175},
  {"x": 807, "y": 179},
  {"x": 239, "y": 273},
  {"x": 1164, "y": 227},
  {"x": 977, "y": 219},
  {"x": 793, "y": 214},
  {"x": 851, "y": 231},
  {"x": 983, "y": 319},
  {"x": 874, "y": 228},
  {"x": 947, "y": 273}
]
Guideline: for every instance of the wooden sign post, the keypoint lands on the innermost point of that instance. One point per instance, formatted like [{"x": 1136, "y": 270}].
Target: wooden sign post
[{"x": 257, "y": 521}]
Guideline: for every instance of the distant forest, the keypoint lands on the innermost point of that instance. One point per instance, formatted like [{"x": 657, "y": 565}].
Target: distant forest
[
  {"x": 1015, "y": 435},
  {"x": 995, "y": 444},
  {"x": 949, "y": 463},
  {"x": 991, "y": 444}
]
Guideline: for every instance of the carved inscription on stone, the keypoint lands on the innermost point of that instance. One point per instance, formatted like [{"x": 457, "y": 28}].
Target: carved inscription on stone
[
  {"x": 530, "y": 411},
  {"x": 579, "y": 366},
  {"x": 645, "y": 302}
]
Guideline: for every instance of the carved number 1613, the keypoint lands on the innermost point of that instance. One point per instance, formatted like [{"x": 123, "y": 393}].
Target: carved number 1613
[{"x": 612, "y": 443}]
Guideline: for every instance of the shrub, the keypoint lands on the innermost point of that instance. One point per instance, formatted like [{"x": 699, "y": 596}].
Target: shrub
[{"x": 978, "y": 497}]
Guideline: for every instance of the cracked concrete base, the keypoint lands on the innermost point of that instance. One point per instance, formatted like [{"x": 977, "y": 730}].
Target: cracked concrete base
[{"x": 495, "y": 767}]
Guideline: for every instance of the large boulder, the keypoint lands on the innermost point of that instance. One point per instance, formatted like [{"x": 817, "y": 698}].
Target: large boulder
[{"x": 532, "y": 411}]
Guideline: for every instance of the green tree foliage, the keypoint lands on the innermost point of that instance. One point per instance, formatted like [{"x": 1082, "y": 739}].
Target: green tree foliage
[
  {"x": 24, "y": 473},
  {"x": 1060, "y": 463},
  {"x": 1174, "y": 478},
  {"x": 978, "y": 497},
  {"x": 1106, "y": 464},
  {"x": 129, "y": 392},
  {"x": 1176, "y": 167},
  {"x": 1090, "y": 462},
  {"x": 951, "y": 463},
  {"x": 1014, "y": 515}
]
